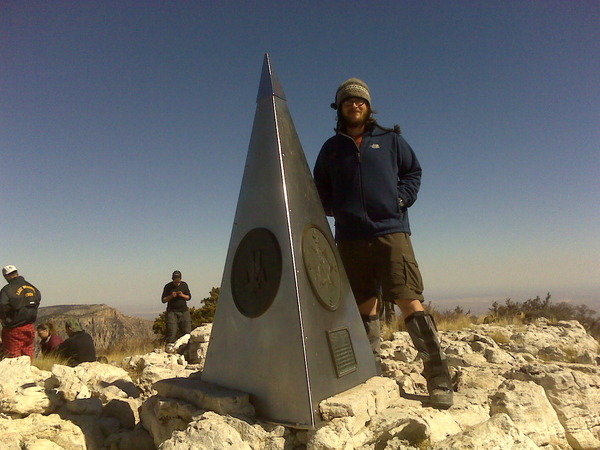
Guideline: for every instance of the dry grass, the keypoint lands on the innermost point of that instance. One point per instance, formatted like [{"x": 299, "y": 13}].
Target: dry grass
[
  {"x": 503, "y": 321},
  {"x": 500, "y": 338},
  {"x": 46, "y": 362},
  {"x": 387, "y": 330},
  {"x": 114, "y": 354},
  {"x": 117, "y": 353},
  {"x": 453, "y": 323}
]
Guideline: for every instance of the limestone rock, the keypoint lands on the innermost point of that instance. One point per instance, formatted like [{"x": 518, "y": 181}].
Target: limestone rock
[
  {"x": 89, "y": 379},
  {"x": 156, "y": 366},
  {"x": 516, "y": 387},
  {"x": 198, "y": 345},
  {"x": 527, "y": 405},
  {"x": 124, "y": 410},
  {"x": 162, "y": 416},
  {"x": 368, "y": 399},
  {"x": 22, "y": 388},
  {"x": 566, "y": 341},
  {"x": 574, "y": 395},
  {"x": 206, "y": 396},
  {"x": 85, "y": 406},
  {"x": 137, "y": 439},
  {"x": 41, "y": 444},
  {"x": 497, "y": 433},
  {"x": 18, "y": 433},
  {"x": 210, "y": 432},
  {"x": 94, "y": 428},
  {"x": 180, "y": 344}
]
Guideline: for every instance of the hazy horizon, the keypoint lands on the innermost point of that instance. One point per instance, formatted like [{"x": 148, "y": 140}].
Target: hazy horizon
[{"x": 124, "y": 128}]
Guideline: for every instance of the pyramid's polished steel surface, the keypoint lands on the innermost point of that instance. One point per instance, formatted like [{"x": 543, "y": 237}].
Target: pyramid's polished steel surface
[{"x": 287, "y": 329}]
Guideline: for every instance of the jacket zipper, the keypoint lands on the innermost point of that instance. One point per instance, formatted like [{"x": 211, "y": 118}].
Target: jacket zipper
[{"x": 359, "y": 158}]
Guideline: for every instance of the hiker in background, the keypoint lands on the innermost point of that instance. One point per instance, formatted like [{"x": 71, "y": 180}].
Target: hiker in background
[
  {"x": 176, "y": 294},
  {"x": 49, "y": 339},
  {"x": 79, "y": 346},
  {"x": 19, "y": 302}
]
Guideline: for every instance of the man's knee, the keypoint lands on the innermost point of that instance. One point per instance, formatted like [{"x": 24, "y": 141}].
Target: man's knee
[
  {"x": 409, "y": 306},
  {"x": 368, "y": 307}
]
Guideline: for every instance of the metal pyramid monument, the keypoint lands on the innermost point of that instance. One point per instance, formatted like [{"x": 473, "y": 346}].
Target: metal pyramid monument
[{"x": 287, "y": 329}]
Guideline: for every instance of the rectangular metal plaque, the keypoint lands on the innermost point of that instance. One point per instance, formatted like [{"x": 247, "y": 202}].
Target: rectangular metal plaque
[{"x": 342, "y": 352}]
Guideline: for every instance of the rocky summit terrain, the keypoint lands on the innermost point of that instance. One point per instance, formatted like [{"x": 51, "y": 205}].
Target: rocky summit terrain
[
  {"x": 106, "y": 325},
  {"x": 534, "y": 386}
]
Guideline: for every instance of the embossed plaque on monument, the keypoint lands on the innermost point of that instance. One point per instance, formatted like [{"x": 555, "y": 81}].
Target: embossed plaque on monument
[{"x": 287, "y": 329}]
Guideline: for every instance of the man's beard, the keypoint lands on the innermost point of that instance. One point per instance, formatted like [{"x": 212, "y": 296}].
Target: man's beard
[{"x": 351, "y": 122}]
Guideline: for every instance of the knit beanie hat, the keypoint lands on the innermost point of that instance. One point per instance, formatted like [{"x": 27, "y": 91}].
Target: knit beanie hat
[{"x": 351, "y": 88}]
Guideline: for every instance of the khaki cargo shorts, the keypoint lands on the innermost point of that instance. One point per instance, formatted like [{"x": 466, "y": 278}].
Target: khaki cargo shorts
[{"x": 387, "y": 262}]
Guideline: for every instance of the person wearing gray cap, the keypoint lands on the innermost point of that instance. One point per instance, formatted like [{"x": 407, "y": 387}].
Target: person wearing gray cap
[
  {"x": 19, "y": 302},
  {"x": 79, "y": 346},
  {"x": 176, "y": 294},
  {"x": 367, "y": 177}
]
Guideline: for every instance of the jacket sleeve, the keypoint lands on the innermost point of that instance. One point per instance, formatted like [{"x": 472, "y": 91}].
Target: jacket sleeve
[
  {"x": 323, "y": 180},
  {"x": 4, "y": 303},
  {"x": 409, "y": 173}
]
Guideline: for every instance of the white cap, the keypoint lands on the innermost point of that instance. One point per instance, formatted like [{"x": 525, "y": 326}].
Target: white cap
[{"x": 8, "y": 269}]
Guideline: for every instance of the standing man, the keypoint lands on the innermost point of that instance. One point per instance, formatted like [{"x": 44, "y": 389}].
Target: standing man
[
  {"x": 176, "y": 294},
  {"x": 367, "y": 177},
  {"x": 19, "y": 302}
]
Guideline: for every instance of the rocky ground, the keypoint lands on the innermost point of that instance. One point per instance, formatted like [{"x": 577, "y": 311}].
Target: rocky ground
[{"x": 517, "y": 387}]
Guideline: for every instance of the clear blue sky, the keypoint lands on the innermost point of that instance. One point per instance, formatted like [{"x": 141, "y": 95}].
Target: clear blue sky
[{"x": 124, "y": 128}]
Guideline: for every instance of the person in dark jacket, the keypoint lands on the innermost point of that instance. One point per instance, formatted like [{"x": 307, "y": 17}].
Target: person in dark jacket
[
  {"x": 79, "y": 346},
  {"x": 367, "y": 177},
  {"x": 176, "y": 294},
  {"x": 19, "y": 302},
  {"x": 49, "y": 339}
]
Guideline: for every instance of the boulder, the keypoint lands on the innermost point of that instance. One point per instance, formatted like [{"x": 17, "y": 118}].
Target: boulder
[
  {"x": 496, "y": 433},
  {"x": 162, "y": 416},
  {"x": 366, "y": 399},
  {"x": 206, "y": 396},
  {"x": 90, "y": 379},
  {"x": 41, "y": 444},
  {"x": 124, "y": 410},
  {"x": 198, "y": 345},
  {"x": 156, "y": 366},
  {"x": 525, "y": 402},
  {"x": 211, "y": 431},
  {"x": 19, "y": 433},
  {"x": 574, "y": 395},
  {"x": 137, "y": 439},
  {"x": 22, "y": 388},
  {"x": 84, "y": 406}
]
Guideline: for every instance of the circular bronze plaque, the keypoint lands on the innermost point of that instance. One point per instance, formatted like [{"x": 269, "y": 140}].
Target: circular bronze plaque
[
  {"x": 256, "y": 272},
  {"x": 321, "y": 267}
]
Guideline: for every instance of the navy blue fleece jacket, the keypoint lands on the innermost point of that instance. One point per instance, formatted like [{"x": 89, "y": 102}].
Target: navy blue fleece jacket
[{"x": 362, "y": 187}]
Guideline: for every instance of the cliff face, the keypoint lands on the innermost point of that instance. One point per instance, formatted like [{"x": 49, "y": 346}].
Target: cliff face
[{"x": 106, "y": 325}]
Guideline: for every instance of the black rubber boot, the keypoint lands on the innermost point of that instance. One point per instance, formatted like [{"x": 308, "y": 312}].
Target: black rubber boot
[
  {"x": 372, "y": 327},
  {"x": 424, "y": 335}
]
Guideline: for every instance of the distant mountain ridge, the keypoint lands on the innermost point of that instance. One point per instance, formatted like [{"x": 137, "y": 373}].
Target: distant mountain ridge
[{"x": 106, "y": 325}]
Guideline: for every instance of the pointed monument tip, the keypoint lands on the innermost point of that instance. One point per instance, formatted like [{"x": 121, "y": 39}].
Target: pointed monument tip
[{"x": 269, "y": 83}]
